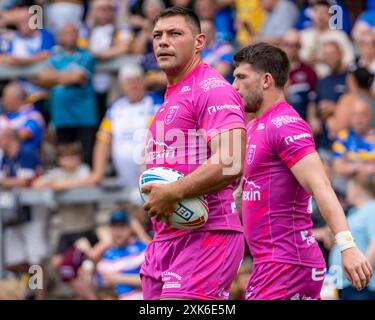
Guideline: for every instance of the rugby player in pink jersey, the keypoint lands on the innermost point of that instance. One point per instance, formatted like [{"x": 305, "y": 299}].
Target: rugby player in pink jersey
[
  {"x": 282, "y": 171},
  {"x": 200, "y": 131}
]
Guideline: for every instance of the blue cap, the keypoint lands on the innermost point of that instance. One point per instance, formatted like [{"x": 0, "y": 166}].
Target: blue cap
[{"x": 119, "y": 216}]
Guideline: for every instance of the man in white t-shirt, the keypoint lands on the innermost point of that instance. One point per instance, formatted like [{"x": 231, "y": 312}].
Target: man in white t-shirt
[{"x": 314, "y": 38}]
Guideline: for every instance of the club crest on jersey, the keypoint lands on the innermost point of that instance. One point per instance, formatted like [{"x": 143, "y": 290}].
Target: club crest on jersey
[
  {"x": 251, "y": 153},
  {"x": 171, "y": 114}
]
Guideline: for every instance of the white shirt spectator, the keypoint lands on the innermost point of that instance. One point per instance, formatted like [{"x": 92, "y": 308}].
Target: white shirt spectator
[{"x": 312, "y": 45}]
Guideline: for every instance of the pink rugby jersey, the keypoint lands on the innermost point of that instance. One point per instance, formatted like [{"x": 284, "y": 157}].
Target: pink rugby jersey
[
  {"x": 276, "y": 209},
  {"x": 194, "y": 111}
]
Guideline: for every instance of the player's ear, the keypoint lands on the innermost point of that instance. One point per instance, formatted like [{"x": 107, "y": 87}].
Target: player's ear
[
  {"x": 200, "y": 42},
  {"x": 267, "y": 81}
]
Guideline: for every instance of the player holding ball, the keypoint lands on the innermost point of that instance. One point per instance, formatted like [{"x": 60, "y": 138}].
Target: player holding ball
[{"x": 198, "y": 131}]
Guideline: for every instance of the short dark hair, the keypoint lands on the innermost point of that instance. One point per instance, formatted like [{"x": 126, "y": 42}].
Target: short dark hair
[
  {"x": 326, "y": 3},
  {"x": 264, "y": 57},
  {"x": 363, "y": 77},
  {"x": 69, "y": 149},
  {"x": 189, "y": 15}
]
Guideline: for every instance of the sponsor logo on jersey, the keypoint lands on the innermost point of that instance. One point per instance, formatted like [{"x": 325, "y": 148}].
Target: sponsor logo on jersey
[
  {"x": 212, "y": 83},
  {"x": 283, "y": 120},
  {"x": 261, "y": 126},
  {"x": 253, "y": 194},
  {"x": 214, "y": 109},
  {"x": 291, "y": 139},
  {"x": 158, "y": 150}
]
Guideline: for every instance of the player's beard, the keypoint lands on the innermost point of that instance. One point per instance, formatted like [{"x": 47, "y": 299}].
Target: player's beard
[{"x": 254, "y": 100}]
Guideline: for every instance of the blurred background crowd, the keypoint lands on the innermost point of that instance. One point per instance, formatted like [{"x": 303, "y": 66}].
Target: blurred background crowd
[{"x": 73, "y": 125}]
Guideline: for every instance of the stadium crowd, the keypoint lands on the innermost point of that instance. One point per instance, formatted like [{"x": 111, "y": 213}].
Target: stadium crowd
[{"x": 73, "y": 126}]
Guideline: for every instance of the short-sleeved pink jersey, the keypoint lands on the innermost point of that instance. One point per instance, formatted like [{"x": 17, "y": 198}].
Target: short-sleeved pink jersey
[
  {"x": 195, "y": 110},
  {"x": 276, "y": 209}
]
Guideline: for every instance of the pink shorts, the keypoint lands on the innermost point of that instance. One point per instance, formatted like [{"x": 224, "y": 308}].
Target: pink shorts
[
  {"x": 282, "y": 281},
  {"x": 199, "y": 265}
]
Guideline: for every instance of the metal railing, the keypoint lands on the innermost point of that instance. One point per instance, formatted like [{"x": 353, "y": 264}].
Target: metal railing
[
  {"x": 112, "y": 193},
  {"x": 29, "y": 71}
]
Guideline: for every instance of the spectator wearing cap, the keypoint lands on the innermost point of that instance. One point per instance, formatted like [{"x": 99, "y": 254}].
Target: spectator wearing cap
[
  {"x": 73, "y": 101},
  {"x": 360, "y": 82},
  {"x": 21, "y": 116},
  {"x": 314, "y": 38},
  {"x": 302, "y": 77},
  {"x": 361, "y": 221},
  {"x": 365, "y": 22},
  {"x": 120, "y": 265}
]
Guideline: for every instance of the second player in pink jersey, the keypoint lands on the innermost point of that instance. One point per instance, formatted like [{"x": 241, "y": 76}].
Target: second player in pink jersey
[{"x": 282, "y": 172}]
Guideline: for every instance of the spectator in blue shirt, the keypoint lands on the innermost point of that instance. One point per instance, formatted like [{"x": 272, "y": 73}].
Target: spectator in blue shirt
[
  {"x": 26, "y": 47},
  {"x": 361, "y": 220},
  {"x": 304, "y": 20},
  {"x": 26, "y": 239},
  {"x": 73, "y": 100},
  {"x": 217, "y": 53},
  {"x": 354, "y": 148},
  {"x": 123, "y": 276},
  {"x": 223, "y": 15},
  {"x": 21, "y": 116}
]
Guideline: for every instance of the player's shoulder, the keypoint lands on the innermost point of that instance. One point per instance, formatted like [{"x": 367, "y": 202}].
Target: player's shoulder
[
  {"x": 283, "y": 114},
  {"x": 207, "y": 81}
]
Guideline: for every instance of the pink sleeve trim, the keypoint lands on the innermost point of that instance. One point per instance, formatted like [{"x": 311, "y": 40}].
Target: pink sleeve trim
[{"x": 299, "y": 155}]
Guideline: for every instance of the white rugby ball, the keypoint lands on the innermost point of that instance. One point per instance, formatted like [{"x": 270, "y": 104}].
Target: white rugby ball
[{"x": 191, "y": 213}]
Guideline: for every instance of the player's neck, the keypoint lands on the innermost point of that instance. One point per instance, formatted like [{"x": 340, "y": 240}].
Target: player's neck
[
  {"x": 174, "y": 78},
  {"x": 270, "y": 100}
]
